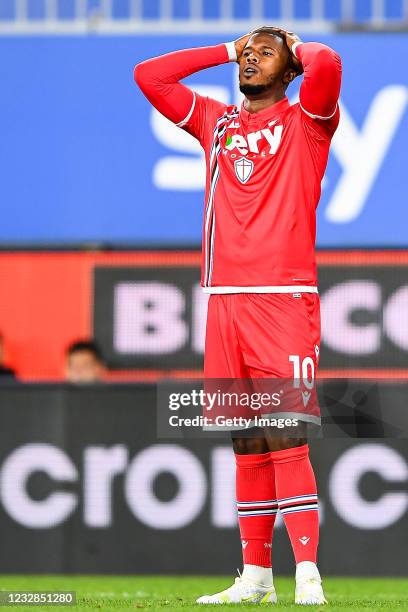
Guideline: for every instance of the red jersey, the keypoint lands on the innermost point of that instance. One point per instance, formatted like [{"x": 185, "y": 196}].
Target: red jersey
[{"x": 264, "y": 169}]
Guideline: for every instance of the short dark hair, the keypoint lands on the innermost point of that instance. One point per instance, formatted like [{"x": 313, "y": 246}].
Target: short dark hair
[
  {"x": 85, "y": 345},
  {"x": 270, "y": 30}
]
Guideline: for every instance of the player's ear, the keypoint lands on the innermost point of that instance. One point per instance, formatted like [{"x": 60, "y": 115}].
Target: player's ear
[{"x": 289, "y": 75}]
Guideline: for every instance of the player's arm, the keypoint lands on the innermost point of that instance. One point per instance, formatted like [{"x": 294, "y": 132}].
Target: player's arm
[
  {"x": 159, "y": 78},
  {"x": 320, "y": 89},
  {"x": 321, "y": 67}
]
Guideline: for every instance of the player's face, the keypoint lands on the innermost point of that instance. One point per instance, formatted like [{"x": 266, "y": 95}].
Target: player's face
[{"x": 263, "y": 64}]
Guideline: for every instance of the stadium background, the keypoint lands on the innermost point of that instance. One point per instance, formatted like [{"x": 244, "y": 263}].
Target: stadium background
[{"x": 101, "y": 201}]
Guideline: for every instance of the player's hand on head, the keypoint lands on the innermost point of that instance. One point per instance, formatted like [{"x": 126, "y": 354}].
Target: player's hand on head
[
  {"x": 291, "y": 38},
  {"x": 240, "y": 44}
]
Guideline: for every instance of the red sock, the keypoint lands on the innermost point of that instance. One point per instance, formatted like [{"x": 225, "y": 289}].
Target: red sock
[
  {"x": 257, "y": 507},
  {"x": 297, "y": 498}
]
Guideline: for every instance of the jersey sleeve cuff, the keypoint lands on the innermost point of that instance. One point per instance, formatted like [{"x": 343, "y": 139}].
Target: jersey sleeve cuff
[
  {"x": 295, "y": 46},
  {"x": 232, "y": 54}
]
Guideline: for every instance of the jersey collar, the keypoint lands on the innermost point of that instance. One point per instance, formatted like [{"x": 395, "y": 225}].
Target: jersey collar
[{"x": 267, "y": 113}]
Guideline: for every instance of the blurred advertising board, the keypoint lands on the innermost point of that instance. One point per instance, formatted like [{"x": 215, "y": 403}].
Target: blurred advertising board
[
  {"x": 87, "y": 486},
  {"x": 148, "y": 313},
  {"x": 92, "y": 161}
]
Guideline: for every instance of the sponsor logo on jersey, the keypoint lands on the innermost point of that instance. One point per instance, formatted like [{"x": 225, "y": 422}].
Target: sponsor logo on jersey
[
  {"x": 253, "y": 140},
  {"x": 243, "y": 169}
]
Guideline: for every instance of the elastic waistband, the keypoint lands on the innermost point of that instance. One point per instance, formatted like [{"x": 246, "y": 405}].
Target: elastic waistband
[{"x": 263, "y": 289}]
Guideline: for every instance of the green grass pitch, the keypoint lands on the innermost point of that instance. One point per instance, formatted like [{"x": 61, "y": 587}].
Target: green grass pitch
[{"x": 111, "y": 593}]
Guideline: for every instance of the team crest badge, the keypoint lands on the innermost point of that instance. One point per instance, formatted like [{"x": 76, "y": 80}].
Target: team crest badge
[{"x": 243, "y": 169}]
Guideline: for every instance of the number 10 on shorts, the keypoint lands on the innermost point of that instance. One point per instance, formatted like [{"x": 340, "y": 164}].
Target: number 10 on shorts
[{"x": 303, "y": 370}]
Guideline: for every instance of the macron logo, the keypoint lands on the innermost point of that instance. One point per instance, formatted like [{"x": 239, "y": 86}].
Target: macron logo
[
  {"x": 304, "y": 540},
  {"x": 244, "y": 544}
]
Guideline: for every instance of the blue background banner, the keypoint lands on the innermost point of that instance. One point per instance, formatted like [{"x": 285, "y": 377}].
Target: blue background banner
[{"x": 84, "y": 157}]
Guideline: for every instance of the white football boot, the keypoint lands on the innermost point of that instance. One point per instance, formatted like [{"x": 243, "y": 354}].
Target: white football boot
[
  {"x": 242, "y": 591},
  {"x": 309, "y": 589}
]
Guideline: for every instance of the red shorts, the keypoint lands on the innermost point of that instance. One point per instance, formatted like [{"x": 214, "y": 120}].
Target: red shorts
[{"x": 265, "y": 335}]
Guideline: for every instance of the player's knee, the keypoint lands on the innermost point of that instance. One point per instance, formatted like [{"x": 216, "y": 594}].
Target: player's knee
[
  {"x": 282, "y": 443},
  {"x": 249, "y": 446}
]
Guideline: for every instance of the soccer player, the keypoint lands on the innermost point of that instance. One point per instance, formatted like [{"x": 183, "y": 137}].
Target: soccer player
[{"x": 265, "y": 162}]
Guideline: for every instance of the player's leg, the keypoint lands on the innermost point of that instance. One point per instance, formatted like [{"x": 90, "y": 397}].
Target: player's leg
[
  {"x": 255, "y": 483},
  {"x": 296, "y": 493},
  {"x": 298, "y": 503},
  {"x": 289, "y": 335},
  {"x": 257, "y": 508},
  {"x": 256, "y": 504}
]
